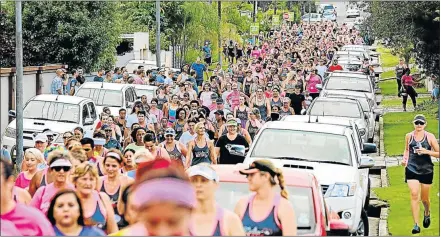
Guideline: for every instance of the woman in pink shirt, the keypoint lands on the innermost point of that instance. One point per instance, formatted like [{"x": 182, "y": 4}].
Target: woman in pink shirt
[
  {"x": 255, "y": 53},
  {"x": 205, "y": 96},
  {"x": 312, "y": 81},
  {"x": 27, "y": 220},
  {"x": 32, "y": 159},
  {"x": 407, "y": 89},
  {"x": 60, "y": 166}
]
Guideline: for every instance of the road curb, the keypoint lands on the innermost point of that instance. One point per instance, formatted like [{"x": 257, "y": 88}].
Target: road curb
[
  {"x": 382, "y": 153},
  {"x": 382, "y": 224}
]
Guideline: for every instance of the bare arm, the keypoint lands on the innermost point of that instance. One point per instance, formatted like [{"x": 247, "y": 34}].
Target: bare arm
[
  {"x": 287, "y": 218},
  {"x": 184, "y": 150},
  {"x": 112, "y": 226},
  {"x": 235, "y": 226},
  {"x": 35, "y": 183},
  {"x": 212, "y": 152},
  {"x": 406, "y": 150},
  {"x": 189, "y": 154}
]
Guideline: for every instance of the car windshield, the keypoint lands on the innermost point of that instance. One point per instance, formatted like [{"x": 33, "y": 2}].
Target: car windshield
[
  {"x": 51, "y": 110},
  {"x": 102, "y": 97},
  {"x": 335, "y": 108},
  {"x": 313, "y": 146},
  {"x": 365, "y": 105},
  {"x": 228, "y": 194},
  {"x": 329, "y": 7},
  {"x": 328, "y": 13},
  {"x": 351, "y": 84},
  {"x": 148, "y": 93}
]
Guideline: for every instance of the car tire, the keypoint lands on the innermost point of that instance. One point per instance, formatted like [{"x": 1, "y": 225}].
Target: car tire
[
  {"x": 368, "y": 195},
  {"x": 363, "y": 226},
  {"x": 371, "y": 140}
]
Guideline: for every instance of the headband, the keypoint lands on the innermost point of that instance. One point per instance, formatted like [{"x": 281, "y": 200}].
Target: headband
[
  {"x": 114, "y": 155},
  {"x": 165, "y": 189}
]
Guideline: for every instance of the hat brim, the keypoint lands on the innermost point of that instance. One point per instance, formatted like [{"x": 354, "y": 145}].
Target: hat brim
[
  {"x": 248, "y": 171},
  {"x": 61, "y": 163},
  {"x": 421, "y": 120}
]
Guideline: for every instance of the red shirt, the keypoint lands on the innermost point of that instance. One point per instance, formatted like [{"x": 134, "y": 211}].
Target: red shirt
[
  {"x": 407, "y": 80},
  {"x": 335, "y": 68}
]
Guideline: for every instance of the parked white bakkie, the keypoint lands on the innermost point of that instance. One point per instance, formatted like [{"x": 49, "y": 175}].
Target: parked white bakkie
[
  {"x": 332, "y": 153},
  {"x": 112, "y": 95},
  {"x": 58, "y": 113}
]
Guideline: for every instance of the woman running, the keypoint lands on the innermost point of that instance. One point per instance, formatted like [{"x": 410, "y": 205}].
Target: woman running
[
  {"x": 262, "y": 103},
  {"x": 241, "y": 112},
  {"x": 112, "y": 182},
  {"x": 180, "y": 122},
  {"x": 98, "y": 209},
  {"x": 420, "y": 146},
  {"x": 66, "y": 215},
  {"x": 176, "y": 150},
  {"x": 408, "y": 82},
  {"x": 254, "y": 124},
  {"x": 129, "y": 163},
  {"x": 32, "y": 159},
  {"x": 266, "y": 213},
  {"x": 200, "y": 150},
  {"x": 60, "y": 166},
  {"x": 209, "y": 219},
  {"x": 157, "y": 151}
]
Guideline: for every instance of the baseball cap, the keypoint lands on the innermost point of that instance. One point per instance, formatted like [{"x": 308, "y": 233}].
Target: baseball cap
[
  {"x": 203, "y": 170},
  {"x": 220, "y": 112},
  {"x": 169, "y": 131},
  {"x": 60, "y": 163},
  {"x": 214, "y": 96},
  {"x": 232, "y": 122},
  {"x": 261, "y": 165},
  {"x": 41, "y": 137},
  {"x": 419, "y": 117},
  {"x": 219, "y": 100}
]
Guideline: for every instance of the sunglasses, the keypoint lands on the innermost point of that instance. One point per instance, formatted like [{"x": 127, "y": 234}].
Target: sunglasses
[
  {"x": 59, "y": 168},
  {"x": 419, "y": 123},
  {"x": 168, "y": 135},
  {"x": 67, "y": 137},
  {"x": 108, "y": 130}
]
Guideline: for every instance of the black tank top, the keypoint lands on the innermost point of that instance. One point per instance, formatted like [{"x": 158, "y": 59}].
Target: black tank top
[
  {"x": 200, "y": 154},
  {"x": 419, "y": 164}
]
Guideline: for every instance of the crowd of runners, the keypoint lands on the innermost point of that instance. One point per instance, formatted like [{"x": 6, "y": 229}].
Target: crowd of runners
[{"x": 147, "y": 171}]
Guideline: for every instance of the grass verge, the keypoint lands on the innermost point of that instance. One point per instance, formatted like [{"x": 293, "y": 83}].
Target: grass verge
[
  {"x": 397, "y": 125},
  {"x": 397, "y": 102},
  {"x": 400, "y": 220},
  {"x": 387, "y": 59}
]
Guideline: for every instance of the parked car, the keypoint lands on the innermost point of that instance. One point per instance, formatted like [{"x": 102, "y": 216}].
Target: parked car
[
  {"x": 332, "y": 153},
  {"x": 59, "y": 113},
  {"x": 330, "y": 16},
  {"x": 312, "y": 213},
  {"x": 329, "y": 8},
  {"x": 149, "y": 91},
  {"x": 315, "y": 17},
  {"x": 342, "y": 108},
  {"x": 112, "y": 95},
  {"x": 352, "y": 12},
  {"x": 356, "y": 82}
]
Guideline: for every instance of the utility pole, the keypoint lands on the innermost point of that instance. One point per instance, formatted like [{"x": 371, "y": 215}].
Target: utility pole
[
  {"x": 254, "y": 11},
  {"x": 19, "y": 84},
  {"x": 275, "y": 7},
  {"x": 158, "y": 33},
  {"x": 219, "y": 39},
  {"x": 309, "y": 11}
]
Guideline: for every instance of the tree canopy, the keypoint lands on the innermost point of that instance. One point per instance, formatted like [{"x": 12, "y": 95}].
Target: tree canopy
[{"x": 412, "y": 29}]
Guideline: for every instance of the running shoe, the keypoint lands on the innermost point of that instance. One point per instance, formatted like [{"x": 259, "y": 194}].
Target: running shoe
[
  {"x": 416, "y": 229},
  {"x": 426, "y": 221}
]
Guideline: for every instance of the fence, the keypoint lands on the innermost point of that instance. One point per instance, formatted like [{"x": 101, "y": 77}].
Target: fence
[{"x": 37, "y": 80}]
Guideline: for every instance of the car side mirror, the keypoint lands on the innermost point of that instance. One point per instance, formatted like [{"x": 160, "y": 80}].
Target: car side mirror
[
  {"x": 12, "y": 113},
  {"x": 338, "y": 228},
  {"x": 366, "y": 162},
  {"x": 366, "y": 116},
  {"x": 369, "y": 148},
  {"x": 88, "y": 121},
  {"x": 303, "y": 112},
  {"x": 378, "y": 111},
  {"x": 319, "y": 86}
]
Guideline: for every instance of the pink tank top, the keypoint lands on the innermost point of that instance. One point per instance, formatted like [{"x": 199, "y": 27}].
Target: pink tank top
[{"x": 42, "y": 198}]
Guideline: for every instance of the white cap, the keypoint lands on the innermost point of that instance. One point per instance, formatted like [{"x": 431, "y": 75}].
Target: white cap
[
  {"x": 41, "y": 137},
  {"x": 203, "y": 170},
  {"x": 61, "y": 162}
]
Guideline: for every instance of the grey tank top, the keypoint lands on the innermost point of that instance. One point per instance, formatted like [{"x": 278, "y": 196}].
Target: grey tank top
[
  {"x": 419, "y": 164},
  {"x": 278, "y": 103},
  {"x": 200, "y": 154}
]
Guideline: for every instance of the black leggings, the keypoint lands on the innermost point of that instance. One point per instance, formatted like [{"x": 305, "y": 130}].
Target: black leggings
[
  {"x": 399, "y": 85},
  {"x": 412, "y": 93}
]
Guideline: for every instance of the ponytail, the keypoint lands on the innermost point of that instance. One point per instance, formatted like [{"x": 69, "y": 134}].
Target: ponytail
[{"x": 283, "y": 192}]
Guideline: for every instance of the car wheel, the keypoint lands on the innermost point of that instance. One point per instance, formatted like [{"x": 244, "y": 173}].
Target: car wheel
[
  {"x": 368, "y": 195},
  {"x": 363, "y": 226}
]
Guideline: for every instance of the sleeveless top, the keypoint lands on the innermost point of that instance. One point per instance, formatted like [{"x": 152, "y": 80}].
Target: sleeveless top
[
  {"x": 278, "y": 103},
  {"x": 262, "y": 109},
  {"x": 268, "y": 226},
  {"x": 290, "y": 86},
  {"x": 100, "y": 173},
  {"x": 99, "y": 216},
  {"x": 218, "y": 228},
  {"x": 419, "y": 164},
  {"x": 200, "y": 154},
  {"x": 176, "y": 156},
  {"x": 44, "y": 178},
  {"x": 283, "y": 113},
  {"x": 172, "y": 114},
  {"x": 161, "y": 101},
  {"x": 252, "y": 130},
  {"x": 242, "y": 115},
  {"x": 113, "y": 198},
  {"x": 247, "y": 86},
  {"x": 179, "y": 130}
]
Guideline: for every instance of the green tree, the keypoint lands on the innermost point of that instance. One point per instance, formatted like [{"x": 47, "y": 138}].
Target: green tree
[{"x": 74, "y": 33}]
